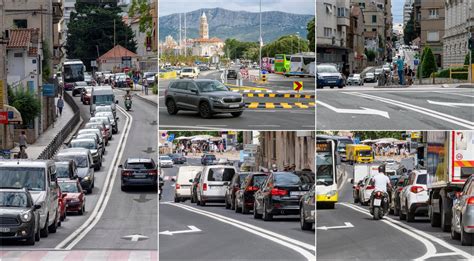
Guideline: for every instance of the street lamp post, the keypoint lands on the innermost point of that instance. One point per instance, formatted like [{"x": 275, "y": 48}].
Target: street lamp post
[
  {"x": 298, "y": 39},
  {"x": 260, "y": 44}
]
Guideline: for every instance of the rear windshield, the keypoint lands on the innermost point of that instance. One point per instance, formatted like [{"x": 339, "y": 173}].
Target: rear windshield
[
  {"x": 286, "y": 179},
  {"x": 421, "y": 179},
  {"x": 31, "y": 178},
  {"x": 259, "y": 180},
  {"x": 69, "y": 187},
  {"x": 210, "y": 157},
  {"x": 140, "y": 165},
  {"x": 220, "y": 174},
  {"x": 13, "y": 199},
  {"x": 62, "y": 171},
  {"x": 81, "y": 160},
  {"x": 84, "y": 144}
]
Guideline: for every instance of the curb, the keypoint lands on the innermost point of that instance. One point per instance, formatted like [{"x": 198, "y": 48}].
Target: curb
[
  {"x": 280, "y": 105},
  {"x": 146, "y": 100},
  {"x": 466, "y": 86},
  {"x": 279, "y": 95},
  {"x": 391, "y": 86}
]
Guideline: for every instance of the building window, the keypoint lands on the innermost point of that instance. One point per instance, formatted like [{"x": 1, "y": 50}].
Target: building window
[
  {"x": 20, "y": 23},
  {"x": 374, "y": 19},
  {"x": 18, "y": 55},
  {"x": 342, "y": 12},
  {"x": 432, "y": 37},
  {"x": 434, "y": 13},
  {"x": 328, "y": 9},
  {"x": 327, "y": 32}
]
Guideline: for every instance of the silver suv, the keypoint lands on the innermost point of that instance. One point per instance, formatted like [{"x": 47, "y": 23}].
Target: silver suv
[{"x": 207, "y": 97}]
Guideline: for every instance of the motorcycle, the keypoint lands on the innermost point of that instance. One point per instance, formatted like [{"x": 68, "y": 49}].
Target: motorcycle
[
  {"x": 128, "y": 103},
  {"x": 378, "y": 204}
]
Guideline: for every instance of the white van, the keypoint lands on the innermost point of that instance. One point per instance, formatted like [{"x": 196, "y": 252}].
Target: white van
[
  {"x": 213, "y": 183},
  {"x": 184, "y": 180},
  {"x": 102, "y": 95},
  {"x": 39, "y": 177}
]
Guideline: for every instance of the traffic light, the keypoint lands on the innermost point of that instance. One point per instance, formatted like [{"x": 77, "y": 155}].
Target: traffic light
[{"x": 471, "y": 43}]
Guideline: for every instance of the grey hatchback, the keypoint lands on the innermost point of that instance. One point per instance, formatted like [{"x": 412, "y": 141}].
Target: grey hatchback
[{"x": 205, "y": 96}]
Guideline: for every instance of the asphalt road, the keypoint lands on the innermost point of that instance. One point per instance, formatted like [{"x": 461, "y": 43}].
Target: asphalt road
[
  {"x": 363, "y": 108},
  {"x": 123, "y": 215},
  {"x": 224, "y": 234},
  {"x": 268, "y": 118},
  {"x": 389, "y": 238}
]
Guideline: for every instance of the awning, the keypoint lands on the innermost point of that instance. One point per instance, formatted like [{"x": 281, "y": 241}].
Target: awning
[{"x": 14, "y": 116}]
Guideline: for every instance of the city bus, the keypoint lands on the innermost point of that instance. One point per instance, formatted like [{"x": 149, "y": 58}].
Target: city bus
[
  {"x": 72, "y": 71},
  {"x": 282, "y": 63},
  {"x": 302, "y": 65},
  {"x": 326, "y": 178}
]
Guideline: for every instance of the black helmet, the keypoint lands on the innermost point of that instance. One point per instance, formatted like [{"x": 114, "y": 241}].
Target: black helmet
[{"x": 382, "y": 168}]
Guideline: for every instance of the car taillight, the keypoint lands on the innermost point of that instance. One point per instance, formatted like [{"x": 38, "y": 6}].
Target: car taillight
[
  {"x": 177, "y": 186},
  {"x": 252, "y": 188},
  {"x": 400, "y": 189},
  {"x": 416, "y": 189},
  {"x": 278, "y": 192},
  {"x": 204, "y": 186},
  {"x": 127, "y": 173},
  {"x": 370, "y": 187},
  {"x": 153, "y": 172},
  {"x": 470, "y": 201}
]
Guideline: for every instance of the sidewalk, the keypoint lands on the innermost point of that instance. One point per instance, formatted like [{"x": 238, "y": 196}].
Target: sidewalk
[
  {"x": 34, "y": 150},
  {"x": 230, "y": 155},
  {"x": 137, "y": 91}
]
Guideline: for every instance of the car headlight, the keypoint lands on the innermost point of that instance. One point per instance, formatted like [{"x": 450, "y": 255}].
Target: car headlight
[
  {"x": 320, "y": 77},
  {"x": 215, "y": 99},
  {"x": 331, "y": 193},
  {"x": 74, "y": 200},
  {"x": 86, "y": 178},
  {"x": 26, "y": 216}
]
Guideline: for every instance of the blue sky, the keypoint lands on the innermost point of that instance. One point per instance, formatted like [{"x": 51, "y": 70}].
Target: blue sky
[
  {"x": 397, "y": 10},
  {"x": 291, "y": 6}
]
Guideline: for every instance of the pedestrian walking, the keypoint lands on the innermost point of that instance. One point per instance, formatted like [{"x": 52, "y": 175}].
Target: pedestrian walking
[
  {"x": 60, "y": 105},
  {"x": 145, "y": 85},
  {"x": 400, "y": 65},
  {"x": 22, "y": 140}
]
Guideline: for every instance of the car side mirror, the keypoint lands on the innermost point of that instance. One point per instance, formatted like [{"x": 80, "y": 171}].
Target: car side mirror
[
  {"x": 116, "y": 102},
  {"x": 194, "y": 91},
  {"x": 36, "y": 207},
  {"x": 191, "y": 180},
  {"x": 352, "y": 181},
  {"x": 64, "y": 195},
  {"x": 120, "y": 166},
  {"x": 173, "y": 179},
  {"x": 117, "y": 118}
]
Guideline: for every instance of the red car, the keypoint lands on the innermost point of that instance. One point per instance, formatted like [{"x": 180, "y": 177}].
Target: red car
[
  {"x": 74, "y": 196},
  {"x": 62, "y": 207}
]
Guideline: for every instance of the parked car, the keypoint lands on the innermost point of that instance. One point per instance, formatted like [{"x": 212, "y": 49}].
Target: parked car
[
  {"x": 213, "y": 183},
  {"x": 84, "y": 163},
  {"x": 177, "y": 158},
  {"x": 234, "y": 186},
  {"x": 355, "y": 79},
  {"x": 370, "y": 77},
  {"x": 307, "y": 209},
  {"x": 100, "y": 126},
  {"x": 39, "y": 177},
  {"x": 84, "y": 133},
  {"x": 20, "y": 216},
  {"x": 462, "y": 222},
  {"x": 110, "y": 115},
  {"x": 414, "y": 196},
  {"x": 194, "y": 186},
  {"x": 107, "y": 123},
  {"x": 66, "y": 170},
  {"x": 78, "y": 88},
  {"x": 166, "y": 162},
  {"x": 395, "y": 195},
  {"x": 244, "y": 197},
  {"x": 107, "y": 108},
  {"x": 208, "y": 159},
  {"x": 281, "y": 194},
  {"x": 328, "y": 75},
  {"x": 232, "y": 74},
  {"x": 73, "y": 195},
  {"x": 93, "y": 147},
  {"x": 184, "y": 181},
  {"x": 139, "y": 172},
  {"x": 208, "y": 97},
  {"x": 365, "y": 190}
]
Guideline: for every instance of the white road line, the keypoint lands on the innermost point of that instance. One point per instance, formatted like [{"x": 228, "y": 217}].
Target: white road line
[
  {"x": 293, "y": 244},
  {"x": 451, "y": 104},
  {"x": 432, "y": 113},
  {"x": 457, "y": 94},
  {"x": 263, "y": 125},
  {"x": 411, "y": 229},
  {"x": 363, "y": 110},
  {"x": 184, "y": 127},
  {"x": 101, "y": 204}
]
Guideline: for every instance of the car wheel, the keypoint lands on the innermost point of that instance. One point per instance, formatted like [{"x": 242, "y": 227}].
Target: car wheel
[
  {"x": 192, "y": 199},
  {"x": 454, "y": 235},
  {"x": 30, "y": 241},
  {"x": 304, "y": 225},
  {"x": 255, "y": 213},
  {"x": 444, "y": 218},
  {"x": 410, "y": 215},
  {"x": 82, "y": 210},
  {"x": 205, "y": 110},
  {"x": 332, "y": 87},
  {"x": 356, "y": 200},
  {"x": 236, "y": 114},
  {"x": 266, "y": 216},
  {"x": 176, "y": 200},
  {"x": 54, "y": 226},
  {"x": 227, "y": 205},
  {"x": 238, "y": 209},
  {"x": 232, "y": 204},
  {"x": 402, "y": 216},
  {"x": 123, "y": 188},
  {"x": 44, "y": 232},
  {"x": 38, "y": 233},
  {"x": 467, "y": 239},
  {"x": 245, "y": 210},
  {"x": 435, "y": 218},
  {"x": 171, "y": 107}
]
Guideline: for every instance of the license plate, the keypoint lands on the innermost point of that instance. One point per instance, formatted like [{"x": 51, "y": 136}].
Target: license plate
[
  {"x": 331, "y": 81},
  {"x": 377, "y": 202},
  {"x": 234, "y": 106},
  {"x": 139, "y": 176},
  {"x": 4, "y": 229},
  {"x": 297, "y": 193}
]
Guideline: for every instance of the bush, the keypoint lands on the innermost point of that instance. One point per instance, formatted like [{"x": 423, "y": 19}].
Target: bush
[
  {"x": 466, "y": 59},
  {"x": 428, "y": 64},
  {"x": 154, "y": 88},
  {"x": 27, "y": 104},
  {"x": 445, "y": 73},
  {"x": 370, "y": 55}
]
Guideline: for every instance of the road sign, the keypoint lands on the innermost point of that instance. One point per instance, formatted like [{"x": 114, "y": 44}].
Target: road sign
[
  {"x": 3, "y": 117},
  {"x": 93, "y": 63},
  {"x": 297, "y": 86},
  {"x": 416, "y": 62},
  {"x": 49, "y": 90},
  {"x": 171, "y": 137},
  {"x": 250, "y": 146}
]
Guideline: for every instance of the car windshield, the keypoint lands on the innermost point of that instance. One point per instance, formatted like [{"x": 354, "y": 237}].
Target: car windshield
[
  {"x": 210, "y": 157},
  {"x": 421, "y": 179},
  {"x": 62, "y": 170},
  {"x": 140, "y": 165},
  {"x": 187, "y": 70},
  {"x": 13, "y": 199},
  {"x": 285, "y": 179},
  {"x": 19, "y": 177},
  {"x": 103, "y": 99},
  {"x": 324, "y": 173},
  {"x": 81, "y": 160},
  {"x": 165, "y": 158},
  {"x": 103, "y": 108},
  {"x": 211, "y": 86},
  {"x": 69, "y": 187},
  {"x": 220, "y": 174},
  {"x": 327, "y": 69},
  {"x": 84, "y": 144},
  {"x": 365, "y": 153}
]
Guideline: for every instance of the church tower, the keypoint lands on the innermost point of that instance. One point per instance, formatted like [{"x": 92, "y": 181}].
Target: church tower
[{"x": 203, "y": 27}]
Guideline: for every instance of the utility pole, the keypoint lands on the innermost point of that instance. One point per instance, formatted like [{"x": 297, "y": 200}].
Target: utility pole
[
  {"x": 180, "y": 40},
  {"x": 185, "y": 38},
  {"x": 260, "y": 43}
]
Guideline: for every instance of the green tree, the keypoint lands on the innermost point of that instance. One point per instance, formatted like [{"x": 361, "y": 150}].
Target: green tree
[
  {"x": 236, "y": 49},
  {"x": 428, "y": 64},
  {"x": 371, "y": 54},
  {"x": 91, "y": 32},
  {"x": 466, "y": 59},
  {"x": 141, "y": 9},
  {"x": 410, "y": 33},
  {"x": 46, "y": 62},
  {"x": 311, "y": 27},
  {"x": 288, "y": 44},
  {"x": 27, "y": 104}
]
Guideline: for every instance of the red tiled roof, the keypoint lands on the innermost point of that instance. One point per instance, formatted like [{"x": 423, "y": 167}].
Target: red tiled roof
[
  {"x": 21, "y": 38},
  {"x": 117, "y": 52},
  {"x": 33, "y": 51}
]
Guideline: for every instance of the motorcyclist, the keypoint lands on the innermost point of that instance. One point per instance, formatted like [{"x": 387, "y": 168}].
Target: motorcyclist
[
  {"x": 127, "y": 95},
  {"x": 381, "y": 182}
]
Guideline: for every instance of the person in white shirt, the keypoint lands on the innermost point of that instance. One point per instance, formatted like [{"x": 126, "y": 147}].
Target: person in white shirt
[{"x": 381, "y": 182}]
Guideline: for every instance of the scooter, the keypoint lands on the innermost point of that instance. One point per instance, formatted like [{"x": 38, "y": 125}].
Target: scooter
[
  {"x": 128, "y": 103},
  {"x": 378, "y": 204}
]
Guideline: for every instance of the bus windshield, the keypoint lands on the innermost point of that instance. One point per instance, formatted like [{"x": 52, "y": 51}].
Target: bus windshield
[
  {"x": 324, "y": 173},
  {"x": 73, "y": 72}
]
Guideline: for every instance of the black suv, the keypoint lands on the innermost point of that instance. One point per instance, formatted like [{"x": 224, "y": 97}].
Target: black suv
[
  {"x": 231, "y": 74},
  {"x": 207, "y": 97}
]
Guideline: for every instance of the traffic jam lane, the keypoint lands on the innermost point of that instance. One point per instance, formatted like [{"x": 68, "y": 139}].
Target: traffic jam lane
[{"x": 218, "y": 238}]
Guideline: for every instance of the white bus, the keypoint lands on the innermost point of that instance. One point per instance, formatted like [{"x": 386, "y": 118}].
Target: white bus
[
  {"x": 72, "y": 71},
  {"x": 326, "y": 178},
  {"x": 302, "y": 65}
]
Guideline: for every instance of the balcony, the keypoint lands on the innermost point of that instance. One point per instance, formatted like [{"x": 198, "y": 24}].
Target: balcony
[
  {"x": 57, "y": 11},
  {"x": 343, "y": 21}
]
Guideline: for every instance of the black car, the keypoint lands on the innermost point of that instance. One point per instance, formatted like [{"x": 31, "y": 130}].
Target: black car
[
  {"x": 194, "y": 187},
  {"x": 208, "y": 97},
  {"x": 177, "y": 158},
  {"x": 244, "y": 198},
  {"x": 78, "y": 88},
  {"x": 281, "y": 193},
  {"x": 208, "y": 159},
  {"x": 307, "y": 209},
  {"x": 395, "y": 194},
  {"x": 232, "y": 74},
  {"x": 139, "y": 172},
  {"x": 233, "y": 187},
  {"x": 19, "y": 218},
  {"x": 66, "y": 169}
]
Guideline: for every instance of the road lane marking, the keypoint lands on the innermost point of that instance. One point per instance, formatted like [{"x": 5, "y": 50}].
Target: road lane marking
[
  {"x": 298, "y": 246},
  {"x": 451, "y": 104},
  {"x": 346, "y": 225},
  {"x": 192, "y": 229},
  {"x": 184, "y": 127},
  {"x": 363, "y": 110},
  {"x": 415, "y": 231},
  {"x": 432, "y": 113},
  {"x": 135, "y": 238},
  {"x": 78, "y": 234},
  {"x": 456, "y": 93}
]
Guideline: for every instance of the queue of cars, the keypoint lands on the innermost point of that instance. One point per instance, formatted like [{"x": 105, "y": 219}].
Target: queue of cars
[{"x": 265, "y": 194}]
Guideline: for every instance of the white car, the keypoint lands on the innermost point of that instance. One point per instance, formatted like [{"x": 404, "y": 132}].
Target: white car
[
  {"x": 369, "y": 77},
  {"x": 366, "y": 190},
  {"x": 213, "y": 183},
  {"x": 166, "y": 162},
  {"x": 355, "y": 79},
  {"x": 189, "y": 72},
  {"x": 184, "y": 181},
  {"x": 414, "y": 196}
]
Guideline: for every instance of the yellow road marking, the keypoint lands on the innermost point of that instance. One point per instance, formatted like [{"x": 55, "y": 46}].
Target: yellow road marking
[
  {"x": 287, "y": 95},
  {"x": 272, "y": 95},
  {"x": 253, "y": 105},
  {"x": 299, "y": 104},
  {"x": 285, "y": 105},
  {"x": 261, "y": 95},
  {"x": 269, "y": 105},
  {"x": 250, "y": 95}
]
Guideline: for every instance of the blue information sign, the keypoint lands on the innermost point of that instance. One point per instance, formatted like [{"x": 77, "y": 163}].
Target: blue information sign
[{"x": 49, "y": 90}]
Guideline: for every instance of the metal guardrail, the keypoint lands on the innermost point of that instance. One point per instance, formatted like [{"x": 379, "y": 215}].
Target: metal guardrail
[{"x": 62, "y": 135}]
